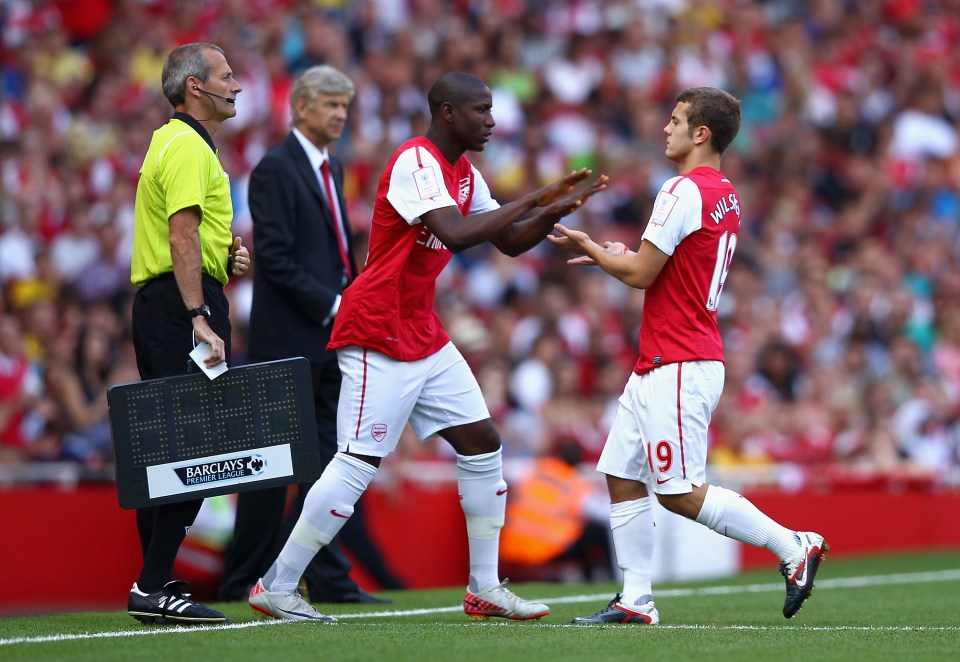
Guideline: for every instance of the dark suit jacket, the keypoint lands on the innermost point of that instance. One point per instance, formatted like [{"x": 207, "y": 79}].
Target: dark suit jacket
[
  {"x": 297, "y": 275},
  {"x": 297, "y": 269}
]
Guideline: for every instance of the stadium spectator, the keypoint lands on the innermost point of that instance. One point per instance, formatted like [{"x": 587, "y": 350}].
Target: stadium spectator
[
  {"x": 23, "y": 412},
  {"x": 823, "y": 86},
  {"x": 78, "y": 385}
]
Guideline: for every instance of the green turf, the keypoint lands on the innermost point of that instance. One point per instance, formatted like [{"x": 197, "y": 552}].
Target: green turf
[{"x": 881, "y": 608}]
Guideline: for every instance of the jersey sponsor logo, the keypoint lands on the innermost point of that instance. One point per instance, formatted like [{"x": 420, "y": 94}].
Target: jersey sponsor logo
[
  {"x": 657, "y": 360},
  {"x": 428, "y": 185},
  {"x": 464, "y": 191},
  {"x": 428, "y": 240},
  {"x": 724, "y": 206},
  {"x": 378, "y": 432},
  {"x": 662, "y": 207}
]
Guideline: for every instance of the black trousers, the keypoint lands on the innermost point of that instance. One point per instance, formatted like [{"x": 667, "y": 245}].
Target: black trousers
[
  {"x": 261, "y": 529},
  {"x": 163, "y": 339}
]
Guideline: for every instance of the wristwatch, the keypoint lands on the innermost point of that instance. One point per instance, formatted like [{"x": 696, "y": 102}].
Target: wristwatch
[{"x": 202, "y": 310}]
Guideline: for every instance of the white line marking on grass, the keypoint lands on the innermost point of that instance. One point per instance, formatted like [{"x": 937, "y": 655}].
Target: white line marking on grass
[
  {"x": 164, "y": 629},
  {"x": 778, "y": 628},
  {"x": 848, "y": 582},
  {"x": 844, "y": 582}
]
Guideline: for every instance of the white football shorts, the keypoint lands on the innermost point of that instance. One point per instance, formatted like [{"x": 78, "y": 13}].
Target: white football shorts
[
  {"x": 659, "y": 433},
  {"x": 379, "y": 395}
]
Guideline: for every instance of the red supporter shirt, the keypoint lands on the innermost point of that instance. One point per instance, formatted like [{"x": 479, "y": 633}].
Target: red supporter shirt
[
  {"x": 695, "y": 220},
  {"x": 389, "y": 307}
]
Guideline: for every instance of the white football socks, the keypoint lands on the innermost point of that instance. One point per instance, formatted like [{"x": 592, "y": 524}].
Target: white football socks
[
  {"x": 734, "y": 516},
  {"x": 634, "y": 539},
  {"x": 483, "y": 498},
  {"x": 329, "y": 504}
]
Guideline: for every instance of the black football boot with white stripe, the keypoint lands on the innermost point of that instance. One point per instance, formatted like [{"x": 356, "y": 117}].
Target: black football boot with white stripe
[{"x": 171, "y": 606}]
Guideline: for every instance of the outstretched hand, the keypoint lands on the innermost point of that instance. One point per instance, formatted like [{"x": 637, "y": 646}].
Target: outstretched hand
[
  {"x": 561, "y": 187},
  {"x": 575, "y": 200},
  {"x": 572, "y": 240},
  {"x": 577, "y": 242},
  {"x": 599, "y": 184}
]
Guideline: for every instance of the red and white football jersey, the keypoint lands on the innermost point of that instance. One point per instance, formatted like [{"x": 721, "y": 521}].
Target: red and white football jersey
[
  {"x": 695, "y": 220},
  {"x": 389, "y": 307}
]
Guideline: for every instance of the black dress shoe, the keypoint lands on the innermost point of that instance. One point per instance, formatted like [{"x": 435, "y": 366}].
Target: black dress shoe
[{"x": 357, "y": 596}]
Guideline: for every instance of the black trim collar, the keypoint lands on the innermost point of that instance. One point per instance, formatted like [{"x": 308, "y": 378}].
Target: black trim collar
[{"x": 196, "y": 126}]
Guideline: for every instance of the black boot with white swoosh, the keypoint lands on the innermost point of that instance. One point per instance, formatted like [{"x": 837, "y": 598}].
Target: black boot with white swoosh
[{"x": 800, "y": 571}]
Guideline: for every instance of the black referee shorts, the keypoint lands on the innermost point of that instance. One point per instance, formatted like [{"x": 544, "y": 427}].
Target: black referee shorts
[{"x": 163, "y": 331}]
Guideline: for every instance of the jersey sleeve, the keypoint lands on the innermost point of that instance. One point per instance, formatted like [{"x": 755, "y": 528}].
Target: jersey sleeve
[
  {"x": 482, "y": 198},
  {"x": 416, "y": 185},
  {"x": 677, "y": 213},
  {"x": 183, "y": 175}
]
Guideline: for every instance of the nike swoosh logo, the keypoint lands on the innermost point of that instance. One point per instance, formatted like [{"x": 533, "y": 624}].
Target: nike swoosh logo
[
  {"x": 336, "y": 514},
  {"x": 501, "y": 492},
  {"x": 800, "y": 576},
  {"x": 665, "y": 480}
]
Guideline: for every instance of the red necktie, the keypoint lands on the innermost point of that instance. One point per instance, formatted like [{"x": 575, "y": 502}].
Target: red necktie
[{"x": 335, "y": 212}]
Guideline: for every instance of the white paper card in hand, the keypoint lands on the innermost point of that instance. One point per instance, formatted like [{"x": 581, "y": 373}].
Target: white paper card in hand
[{"x": 201, "y": 353}]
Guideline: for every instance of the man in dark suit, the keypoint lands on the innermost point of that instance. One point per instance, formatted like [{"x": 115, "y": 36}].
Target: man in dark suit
[{"x": 303, "y": 245}]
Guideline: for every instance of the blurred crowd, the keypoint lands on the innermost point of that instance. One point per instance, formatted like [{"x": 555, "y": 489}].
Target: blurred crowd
[{"x": 840, "y": 315}]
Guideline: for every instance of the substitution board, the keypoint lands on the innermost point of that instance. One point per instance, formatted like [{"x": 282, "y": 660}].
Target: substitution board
[{"x": 189, "y": 437}]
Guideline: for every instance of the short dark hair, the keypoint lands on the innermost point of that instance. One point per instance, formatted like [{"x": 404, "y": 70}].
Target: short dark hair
[
  {"x": 715, "y": 109},
  {"x": 455, "y": 87},
  {"x": 183, "y": 62}
]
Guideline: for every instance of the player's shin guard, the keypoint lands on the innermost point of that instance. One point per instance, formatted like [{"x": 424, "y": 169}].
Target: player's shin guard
[
  {"x": 483, "y": 498},
  {"x": 734, "y": 516},
  {"x": 634, "y": 540},
  {"x": 329, "y": 504}
]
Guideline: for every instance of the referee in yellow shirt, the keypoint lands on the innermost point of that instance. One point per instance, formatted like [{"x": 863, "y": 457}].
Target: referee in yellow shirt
[{"x": 183, "y": 251}]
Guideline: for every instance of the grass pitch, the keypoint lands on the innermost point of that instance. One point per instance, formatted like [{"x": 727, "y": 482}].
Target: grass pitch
[{"x": 878, "y": 608}]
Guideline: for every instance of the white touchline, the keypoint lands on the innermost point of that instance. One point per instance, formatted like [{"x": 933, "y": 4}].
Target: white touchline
[{"x": 847, "y": 582}]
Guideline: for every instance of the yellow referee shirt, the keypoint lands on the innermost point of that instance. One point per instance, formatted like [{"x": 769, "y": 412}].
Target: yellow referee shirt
[{"x": 181, "y": 169}]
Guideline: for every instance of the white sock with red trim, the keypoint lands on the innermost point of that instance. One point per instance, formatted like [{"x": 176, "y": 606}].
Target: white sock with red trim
[
  {"x": 483, "y": 498},
  {"x": 634, "y": 539},
  {"x": 734, "y": 516},
  {"x": 329, "y": 504}
]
